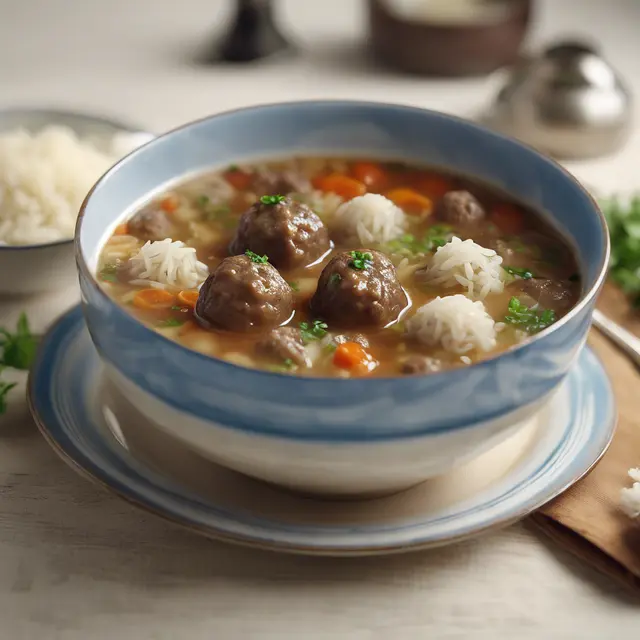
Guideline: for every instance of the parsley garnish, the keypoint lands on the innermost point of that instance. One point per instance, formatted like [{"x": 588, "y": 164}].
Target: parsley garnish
[
  {"x": 531, "y": 320},
  {"x": 525, "y": 274},
  {"x": 294, "y": 285},
  {"x": 108, "y": 273},
  {"x": 171, "y": 322},
  {"x": 313, "y": 331},
  {"x": 436, "y": 236},
  {"x": 271, "y": 199},
  {"x": 254, "y": 257},
  {"x": 19, "y": 348},
  {"x": 287, "y": 365},
  {"x": 335, "y": 278},
  {"x": 360, "y": 260}
]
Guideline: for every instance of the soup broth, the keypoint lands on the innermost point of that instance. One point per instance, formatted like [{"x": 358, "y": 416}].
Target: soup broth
[{"x": 340, "y": 267}]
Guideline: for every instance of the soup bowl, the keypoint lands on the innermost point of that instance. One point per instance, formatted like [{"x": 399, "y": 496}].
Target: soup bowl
[{"x": 329, "y": 435}]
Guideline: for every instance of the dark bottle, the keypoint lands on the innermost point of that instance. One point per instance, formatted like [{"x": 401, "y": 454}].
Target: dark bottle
[
  {"x": 448, "y": 37},
  {"x": 252, "y": 35}
]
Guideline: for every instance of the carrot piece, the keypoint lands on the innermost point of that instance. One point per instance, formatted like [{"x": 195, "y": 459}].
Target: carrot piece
[
  {"x": 371, "y": 174},
  {"x": 434, "y": 186},
  {"x": 238, "y": 179},
  {"x": 153, "y": 299},
  {"x": 353, "y": 357},
  {"x": 508, "y": 218},
  {"x": 169, "y": 204},
  {"x": 345, "y": 186},
  {"x": 188, "y": 298},
  {"x": 121, "y": 229},
  {"x": 410, "y": 201}
]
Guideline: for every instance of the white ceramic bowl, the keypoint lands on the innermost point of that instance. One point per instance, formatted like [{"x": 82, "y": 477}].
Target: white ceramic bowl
[{"x": 28, "y": 269}]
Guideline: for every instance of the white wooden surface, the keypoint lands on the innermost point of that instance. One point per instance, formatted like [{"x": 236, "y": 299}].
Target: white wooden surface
[{"x": 76, "y": 563}]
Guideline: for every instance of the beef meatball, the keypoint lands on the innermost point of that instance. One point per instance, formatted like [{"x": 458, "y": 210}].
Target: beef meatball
[
  {"x": 243, "y": 295},
  {"x": 287, "y": 231},
  {"x": 417, "y": 364},
  {"x": 267, "y": 182},
  {"x": 459, "y": 208},
  {"x": 550, "y": 294},
  {"x": 359, "y": 289},
  {"x": 284, "y": 343},
  {"x": 151, "y": 224}
]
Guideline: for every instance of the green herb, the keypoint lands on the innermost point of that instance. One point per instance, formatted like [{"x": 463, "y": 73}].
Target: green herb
[
  {"x": 525, "y": 274},
  {"x": 108, "y": 273},
  {"x": 314, "y": 331},
  {"x": 436, "y": 236},
  {"x": 287, "y": 365},
  {"x": 254, "y": 257},
  {"x": 531, "y": 320},
  {"x": 360, "y": 260},
  {"x": 176, "y": 307},
  {"x": 19, "y": 348},
  {"x": 624, "y": 228},
  {"x": 5, "y": 387},
  {"x": 335, "y": 278},
  {"x": 203, "y": 201},
  {"x": 171, "y": 322},
  {"x": 233, "y": 167},
  {"x": 271, "y": 199},
  {"x": 330, "y": 348},
  {"x": 294, "y": 285}
]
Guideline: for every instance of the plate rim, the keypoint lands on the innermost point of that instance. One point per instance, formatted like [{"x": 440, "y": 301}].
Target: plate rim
[{"x": 211, "y": 532}]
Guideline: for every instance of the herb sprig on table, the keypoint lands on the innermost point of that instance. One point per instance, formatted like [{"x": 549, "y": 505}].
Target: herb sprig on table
[{"x": 18, "y": 352}]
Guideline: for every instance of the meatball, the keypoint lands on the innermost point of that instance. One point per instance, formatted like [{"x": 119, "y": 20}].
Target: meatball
[
  {"x": 359, "y": 289},
  {"x": 267, "y": 182},
  {"x": 284, "y": 343},
  {"x": 459, "y": 208},
  {"x": 355, "y": 337},
  {"x": 287, "y": 231},
  {"x": 243, "y": 295},
  {"x": 550, "y": 294},
  {"x": 417, "y": 364},
  {"x": 151, "y": 224}
]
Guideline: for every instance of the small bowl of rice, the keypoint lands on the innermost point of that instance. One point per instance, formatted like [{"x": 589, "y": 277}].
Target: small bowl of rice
[{"x": 49, "y": 160}]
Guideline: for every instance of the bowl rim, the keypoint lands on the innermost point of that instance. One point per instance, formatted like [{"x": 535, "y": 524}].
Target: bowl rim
[
  {"x": 583, "y": 302},
  {"x": 53, "y": 113}
]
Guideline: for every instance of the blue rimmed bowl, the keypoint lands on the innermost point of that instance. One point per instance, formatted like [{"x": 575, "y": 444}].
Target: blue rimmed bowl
[
  {"x": 35, "y": 268},
  {"x": 337, "y": 436}
]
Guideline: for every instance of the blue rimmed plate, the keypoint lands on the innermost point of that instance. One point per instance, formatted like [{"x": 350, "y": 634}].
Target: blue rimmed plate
[{"x": 99, "y": 434}]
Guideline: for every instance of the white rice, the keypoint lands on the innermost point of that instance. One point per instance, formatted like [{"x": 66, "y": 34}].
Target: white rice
[
  {"x": 369, "y": 219},
  {"x": 456, "y": 323},
  {"x": 463, "y": 263},
  {"x": 323, "y": 204},
  {"x": 44, "y": 178},
  {"x": 630, "y": 497},
  {"x": 165, "y": 264}
]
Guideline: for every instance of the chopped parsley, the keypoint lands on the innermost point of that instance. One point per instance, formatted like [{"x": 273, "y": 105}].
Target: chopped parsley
[
  {"x": 335, "y": 278},
  {"x": 436, "y": 236},
  {"x": 254, "y": 257},
  {"x": 360, "y": 260},
  {"x": 108, "y": 273},
  {"x": 287, "y": 365},
  {"x": 294, "y": 285},
  {"x": 277, "y": 199},
  {"x": 525, "y": 274},
  {"x": 313, "y": 331},
  {"x": 529, "y": 319},
  {"x": 170, "y": 322}
]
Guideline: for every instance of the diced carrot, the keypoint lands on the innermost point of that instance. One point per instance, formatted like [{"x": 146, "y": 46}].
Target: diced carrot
[
  {"x": 434, "y": 186},
  {"x": 188, "y": 298},
  {"x": 508, "y": 218},
  {"x": 410, "y": 201},
  {"x": 121, "y": 229},
  {"x": 169, "y": 204},
  {"x": 238, "y": 179},
  {"x": 345, "y": 186},
  {"x": 153, "y": 299},
  {"x": 371, "y": 174},
  {"x": 353, "y": 357}
]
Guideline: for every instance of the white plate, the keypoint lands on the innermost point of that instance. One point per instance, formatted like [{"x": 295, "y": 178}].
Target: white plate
[{"x": 99, "y": 434}]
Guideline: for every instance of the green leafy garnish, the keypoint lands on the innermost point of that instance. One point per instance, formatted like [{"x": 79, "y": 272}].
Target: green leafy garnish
[
  {"x": 233, "y": 167},
  {"x": 294, "y": 285},
  {"x": 203, "y": 201},
  {"x": 108, "y": 273},
  {"x": 271, "y": 199},
  {"x": 531, "y": 320},
  {"x": 254, "y": 257},
  {"x": 624, "y": 229},
  {"x": 313, "y": 331},
  {"x": 335, "y": 278},
  {"x": 360, "y": 260},
  {"x": 287, "y": 365},
  {"x": 19, "y": 348},
  {"x": 520, "y": 272},
  {"x": 171, "y": 322},
  {"x": 436, "y": 236},
  {"x": 5, "y": 387},
  {"x": 176, "y": 307}
]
